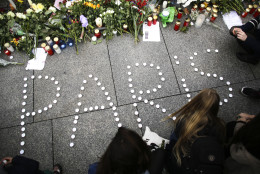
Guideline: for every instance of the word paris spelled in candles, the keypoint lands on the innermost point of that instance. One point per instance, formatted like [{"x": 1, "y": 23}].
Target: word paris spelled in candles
[
  {"x": 71, "y": 22},
  {"x": 135, "y": 94}
]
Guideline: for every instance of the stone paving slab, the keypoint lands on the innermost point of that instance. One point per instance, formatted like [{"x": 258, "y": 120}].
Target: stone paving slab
[
  {"x": 224, "y": 63},
  {"x": 94, "y": 132},
  {"x": 70, "y": 70},
  {"x": 12, "y": 86},
  {"x": 124, "y": 52},
  {"x": 38, "y": 142},
  {"x": 256, "y": 70}
]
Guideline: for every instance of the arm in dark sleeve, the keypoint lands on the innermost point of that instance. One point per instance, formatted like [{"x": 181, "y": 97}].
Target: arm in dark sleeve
[
  {"x": 252, "y": 24},
  {"x": 253, "y": 43},
  {"x": 21, "y": 163}
]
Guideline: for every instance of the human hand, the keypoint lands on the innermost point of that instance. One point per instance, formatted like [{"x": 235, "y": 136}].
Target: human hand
[
  {"x": 245, "y": 117},
  {"x": 241, "y": 35},
  {"x": 6, "y": 160},
  {"x": 235, "y": 30}
]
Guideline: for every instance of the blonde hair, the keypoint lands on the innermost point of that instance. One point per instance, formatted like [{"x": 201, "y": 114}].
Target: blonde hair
[{"x": 193, "y": 117}]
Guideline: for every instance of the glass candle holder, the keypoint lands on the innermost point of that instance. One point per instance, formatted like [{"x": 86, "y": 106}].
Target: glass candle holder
[
  {"x": 186, "y": 22},
  {"x": 253, "y": 9},
  {"x": 149, "y": 23},
  {"x": 97, "y": 33},
  {"x": 56, "y": 40},
  {"x": 7, "y": 52},
  {"x": 257, "y": 12},
  {"x": 62, "y": 44},
  {"x": 206, "y": 3},
  {"x": 94, "y": 38},
  {"x": 245, "y": 13},
  {"x": 48, "y": 40},
  {"x": 213, "y": 17},
  {"x": 43, "y": 45},
  {"x": 125, "y": 27},
  {"x": 177, "y": 25},
  {"x": 202, "y": 7},
  {"x": 208, "y": 10},
  {"x": 70, "y": 42},
  {"x": 180, "y": 12},
  {"x": 57, "y": 48},
  {"x": 250, "y": 7},
  {"x": 9, "y": 47},
  {"x": 49, "y": 50},
  {"x": 155, "y": 19}
]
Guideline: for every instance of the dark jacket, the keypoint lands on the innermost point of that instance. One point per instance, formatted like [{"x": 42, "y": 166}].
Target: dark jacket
[
  {"x": 23, "y": 165},
  {"x": 206, "y": 155},
  {"x": 252, "y": 41}
]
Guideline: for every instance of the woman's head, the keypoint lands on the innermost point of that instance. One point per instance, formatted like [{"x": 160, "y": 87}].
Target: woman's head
[
  {"x": 126, "y": 154},
  {"x": 201, "y": 111}
]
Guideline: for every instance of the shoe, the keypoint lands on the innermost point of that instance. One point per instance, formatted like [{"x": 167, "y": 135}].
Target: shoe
[
  {"x": 247, "y": 58},
  {"x": 250, "y": 92},
  {"x": 57, "y": 169}
]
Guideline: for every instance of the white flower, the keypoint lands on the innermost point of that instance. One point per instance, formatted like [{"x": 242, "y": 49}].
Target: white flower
[
  {"x": 104, "y": 13},
  {"x": 68, "y": 4},
  {"x": 21, "y": 15},
  {"x": 108, "y": 11},
  {"x": 112, "y": 11},
  {"x": 118, "y": 2},
  {"x": 10, "y": 13},
  {"x": 53, "y": 9},
  {"x": 28, "y": 11},
  {"x": 1, "y": 17},
  {"x": 100, "y": 15},
  {"x": 23, "y": 37}
]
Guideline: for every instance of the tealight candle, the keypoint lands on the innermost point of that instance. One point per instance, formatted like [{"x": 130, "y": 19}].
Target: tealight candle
[
  {"x": 186, "y": 22},
  {"x": 177, "y": 25},
  {"x": 7, "y": 52},
  {"x": 57, "y": 49},
  {"x": 9, "y": 47},
  {"x": 97, "y": 33},
  {"x": 155, "y": 19},
  {"x": 213, "y": 17},
  {"x": 179, "y": 15},
  {"x": 48, "y": 40},
  {"x": 43, "y": 45},
  {"x": 56, "y": 40},
  {"x": 149, "y": 21},
  {"x": 125, "y": 27},
  {"x": 49, "y": 50}
]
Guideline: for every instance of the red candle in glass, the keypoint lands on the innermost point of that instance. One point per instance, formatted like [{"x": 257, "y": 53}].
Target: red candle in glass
[
  {"x": 56, "y": 40},
  {"x": 253, "y": 9},
  {"x": 186, "y": 22},
  {"x": 43, "y": 45},
  {"x": 149, "y": 21},
  {"x": 177, "y": 25},
  {"x": 202, "y": 7},
  {"x": 154, "y": 20},
  {"x": 7, "y": 52},
  {"x": 179, "y": 15},
  {"x": 49, "y": 50},
  {"x": 125, "y": 27},
  {"x": 195, "y": 7},
  {"x": 245, "y": 13},
  {"x": 257, "y": 12},
  {"x": 97, "y": 33},
  {"x": 213, "y": 17}
]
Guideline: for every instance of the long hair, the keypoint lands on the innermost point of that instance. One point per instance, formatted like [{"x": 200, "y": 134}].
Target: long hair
[
  {"x": 193, "y": 117},
  {"x": 126, "y": 154},
  {"x": 249, "y": 136}
]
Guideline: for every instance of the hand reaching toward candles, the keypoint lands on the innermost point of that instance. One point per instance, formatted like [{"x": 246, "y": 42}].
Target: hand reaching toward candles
[{"x": 241, "y": 35}]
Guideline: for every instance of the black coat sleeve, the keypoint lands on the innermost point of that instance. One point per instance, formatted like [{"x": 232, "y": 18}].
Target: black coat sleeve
[
  {"x": 250, "y": 25},
  {"x": 23, "y": 165}
]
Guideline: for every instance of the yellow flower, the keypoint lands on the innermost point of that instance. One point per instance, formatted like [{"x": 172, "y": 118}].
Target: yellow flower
[
  {"x": 40, "y": 6},
  {"x": 21, "y": 1},
  {"x": 15, "y": 41},
  {"x": 98, "y": 6},
  {"x": 34, "y": 6},
  {"x": 94, "y": 6}
]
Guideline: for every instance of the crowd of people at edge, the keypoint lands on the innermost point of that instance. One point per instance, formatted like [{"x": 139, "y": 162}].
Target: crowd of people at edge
[{"x": 200, "y": 143}]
